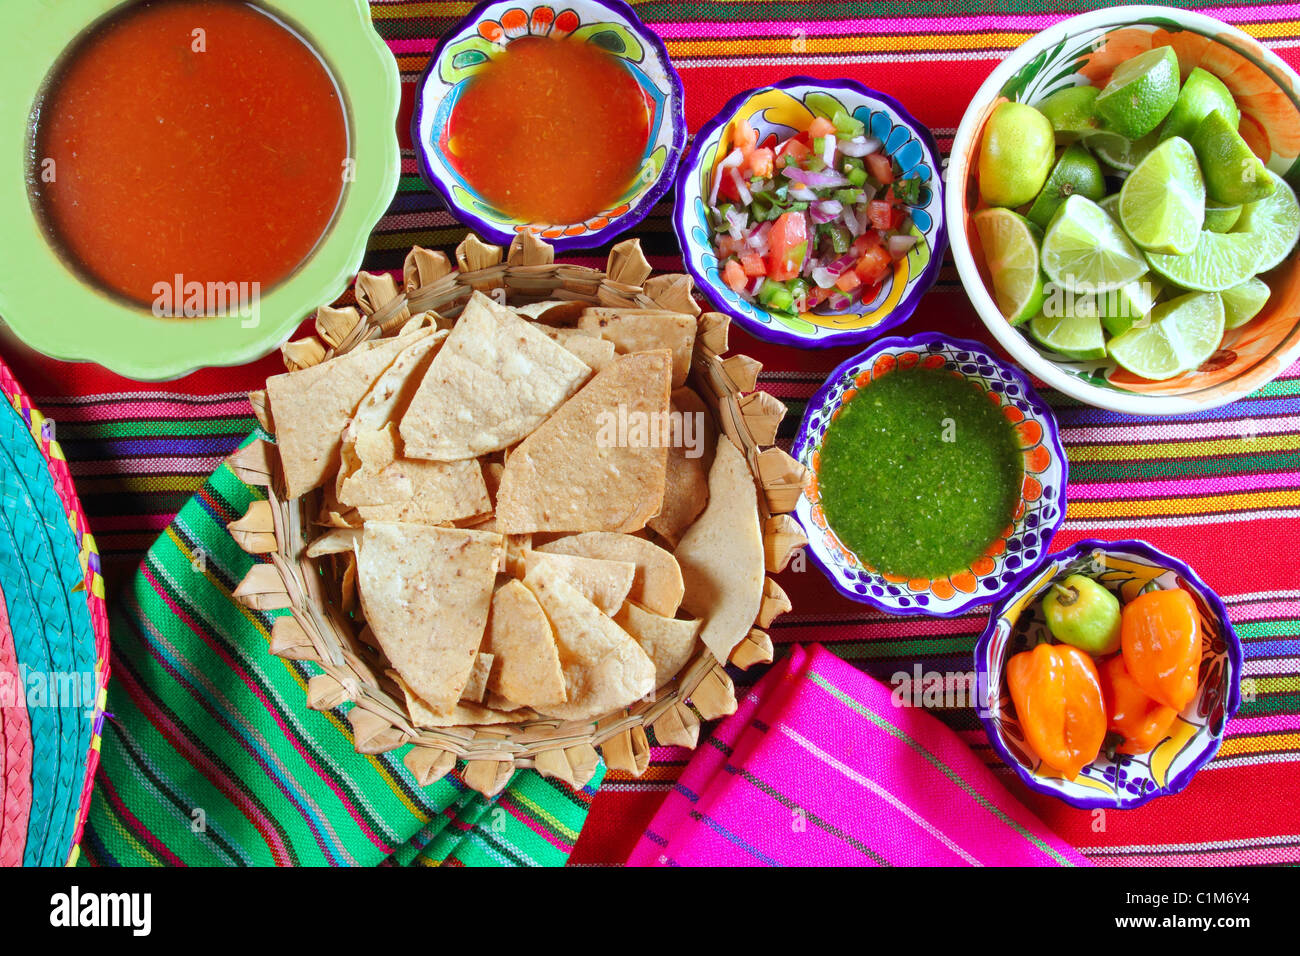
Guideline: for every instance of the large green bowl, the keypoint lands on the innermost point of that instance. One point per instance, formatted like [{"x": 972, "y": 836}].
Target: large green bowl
[{"x": 53, "y": 309}]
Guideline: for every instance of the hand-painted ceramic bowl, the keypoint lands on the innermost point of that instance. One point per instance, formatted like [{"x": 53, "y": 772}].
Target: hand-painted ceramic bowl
[
  {"x": 1016, "y": 624},
  {"x": 1085, "y": 49},
  {"x": 58, "y": 312},
  {"x": 1036, "y": 517},
  {"x": 780, "y": 111},
  {"x": 486, "y": 32}
]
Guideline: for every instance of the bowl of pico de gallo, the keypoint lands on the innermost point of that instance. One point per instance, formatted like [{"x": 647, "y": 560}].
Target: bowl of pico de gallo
[{"x": 811, "y": 212}]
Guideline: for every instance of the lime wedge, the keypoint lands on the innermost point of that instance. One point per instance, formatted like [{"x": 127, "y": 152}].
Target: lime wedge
[
  {"x": 1073, "y": 335},
  {"x": 1071, "y": 111},
  {"x": 1221, "y": 218},
  {"x": 1085, "y": 250},
  {"x": 1162, "y": 203},
  {"x": 1122, "y": 308},
  {"x": 1177, "y": 337},
  {"x": 1076, "y": 172},
  {"x": 1141, "y": 92},
  {"x": 1220, "y": 261},
  {"x": 1242, "y": 302},
  {"x": 1010, "y": 244},
  {"x": 1111, "y": 205},
  {"x": 1233, "y": 173},
  {"x": 1273, "y": 222},
  {"x": 1201, "y": 95},
  {"x": 1117, "y": 152}
]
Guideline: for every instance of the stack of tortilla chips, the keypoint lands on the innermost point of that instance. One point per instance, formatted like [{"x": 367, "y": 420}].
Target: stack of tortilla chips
[{"x": 530, "y": 510}]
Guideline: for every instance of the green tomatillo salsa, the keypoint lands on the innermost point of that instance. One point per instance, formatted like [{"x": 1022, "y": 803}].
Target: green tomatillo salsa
[{"x": 919, "y": 473}]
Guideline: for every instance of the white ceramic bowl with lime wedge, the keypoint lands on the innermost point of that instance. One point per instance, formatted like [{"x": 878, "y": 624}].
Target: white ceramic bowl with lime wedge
[{"x": 1213, "y": 347}]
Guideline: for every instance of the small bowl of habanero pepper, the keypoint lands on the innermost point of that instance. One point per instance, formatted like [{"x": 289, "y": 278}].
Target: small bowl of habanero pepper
[{"x": 1107, "y": 676}]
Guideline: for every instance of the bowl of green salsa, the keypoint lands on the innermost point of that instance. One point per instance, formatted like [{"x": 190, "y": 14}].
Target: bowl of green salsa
[{"x": 936, "y": 476}]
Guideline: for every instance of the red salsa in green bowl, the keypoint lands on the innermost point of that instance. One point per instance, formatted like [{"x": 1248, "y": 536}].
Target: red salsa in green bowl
[{"x": 936, "y": 476}]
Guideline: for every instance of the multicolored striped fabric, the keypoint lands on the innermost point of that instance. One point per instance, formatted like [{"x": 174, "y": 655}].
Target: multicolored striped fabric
[
  {"x": 212, "y": 758},
  {"x": 819, "y": 766},
  {"x": 1221, "y": 491}
]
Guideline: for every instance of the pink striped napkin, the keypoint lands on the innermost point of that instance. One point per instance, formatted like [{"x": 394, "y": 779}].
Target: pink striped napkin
[{"x": 818, "y": 767}]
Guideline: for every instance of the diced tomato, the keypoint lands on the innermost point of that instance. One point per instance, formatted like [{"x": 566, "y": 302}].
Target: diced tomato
[
  {"x": 816, "y": 296},
  {"x": 848, "y": 281},
  {"x": 727, "y": 191},
  {"x": 881, "y": 214},
  {"x": 788, "y": 243},
  {"x": 879, "y": 166},
  {"x": 761, "y": 162},
  {"x": 727, "y": 246},
  {"x": 753, "y": 264},
  {"x": 874, "y": 266},
  {"x": 795, "y": 148},
  {"x": 734, "y": 276},
  {"x": 820, "y": 126},
  {"x": 899, "y": 217},
  {"x": 864, "y": 242},
  {"x": 746, "y": 137}
]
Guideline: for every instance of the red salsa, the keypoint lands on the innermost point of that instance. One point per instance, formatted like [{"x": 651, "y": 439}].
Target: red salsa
[
  {"x": 199, "y": 138},
  {"x": 551, "y": 131}
]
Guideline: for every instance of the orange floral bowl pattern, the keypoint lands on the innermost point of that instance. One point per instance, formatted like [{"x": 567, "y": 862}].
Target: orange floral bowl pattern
[
  {"x": 1126, "y": 780},
  {"x": 1037, "y": 516},
  {"x": 1085, "y": 50}
]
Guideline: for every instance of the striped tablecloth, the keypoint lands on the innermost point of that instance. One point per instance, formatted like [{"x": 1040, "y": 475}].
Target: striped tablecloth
[{"x": 1220, "y": 490}]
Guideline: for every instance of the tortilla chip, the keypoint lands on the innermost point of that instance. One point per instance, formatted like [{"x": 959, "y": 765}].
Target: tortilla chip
[
  {"x": 312, "y": 405},
  {"x": 667, "y": 641},
  {"x": 572, "y": 474},
  {"x": 425, "y": 592},
  {"x": 721, "y": 555},
  {"x": 686, "y": 485},
  {"x": 392, "y": 392},
  {"x": 592, "y": 350},
  {"x": 335, "y": 541},
  {"x": 462, "y": 714},
  {"x": 555, "y": 312},
  {"x": 478, "y": 677},
  {"x": 640, "y": 330},
  {"x": 382, "y": 486},
  {"x": 522, "y": 644},
  {"x": 657, "y": 584},
  {"x": 604, "y": 583},
  {"x": 604, "y": 667},
  {"x": 494, "y": 380}
]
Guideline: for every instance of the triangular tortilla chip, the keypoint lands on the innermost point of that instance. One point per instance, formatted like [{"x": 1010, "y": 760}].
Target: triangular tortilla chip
[
  {"x": 312, "y": 405},
  {"x": 604, "y": 583},
  {"x": 604, "y": 667},
  {"x": 640, "y": 330},
  {"x": 667, "y": 641},
  {"x": 690, "y": 452},
  {"x": 721, "y": 555},
  {"x": 401, "y": 489},
  {"x": 657, "y": 584},
  {"x": 526, "y": 661},
  {"x": 425, "y": 592},
  {"x": 494, "y": 380},
  {"x": 592, "y": 350},
  {"x": 392, "y": 392},
  {"x": 461, "y": 714},
  {"x": 476, "y": 687},
  {"x": 557, "y": 312},
  {"x": 574, "y": 473}
]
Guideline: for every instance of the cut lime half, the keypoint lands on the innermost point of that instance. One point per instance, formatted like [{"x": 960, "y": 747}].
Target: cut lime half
[
  {"x": 1221, "y": 218},
  {"x": 1141, "y": 92},
  {"x": 1117, "y": 152},
  {"x": 1085, "y": 250},
  {"x": 1074, "y": 334},
  {"x": 1162, "y": 203},
  {"x": 1010, "y": 244},
  {"x": 1233, "y": 173},
  {"x": 1220, "y": 261},
  {"x": 1201, "y": 95},
  {"x": 1273, "y": 222},
  {"x": 1242, "y": 302},
  {"x": 1177, "y": 337}
]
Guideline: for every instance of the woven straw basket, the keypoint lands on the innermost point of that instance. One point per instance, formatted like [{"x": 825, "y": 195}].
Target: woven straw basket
[{"x": 319, "y": 630}]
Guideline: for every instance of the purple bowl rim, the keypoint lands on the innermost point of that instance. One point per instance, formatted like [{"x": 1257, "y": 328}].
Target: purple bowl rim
[
  {"x": 1233, "y": 703},
  {"x": 638, "y": 211},
  {"x": 1051, "y": 432},
  {"x": 906, "y": 306}
]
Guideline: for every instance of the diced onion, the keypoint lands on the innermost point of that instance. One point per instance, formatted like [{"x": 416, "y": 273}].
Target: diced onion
[
  {"x": 900, "y": 246},
  {"x": 730, "y": 161},
  {"x": 746, "y": 197},
  {"x": 825, "y": 210},
  {"x": 822, "y": 180},
  {"x": 860, "y": 146}
]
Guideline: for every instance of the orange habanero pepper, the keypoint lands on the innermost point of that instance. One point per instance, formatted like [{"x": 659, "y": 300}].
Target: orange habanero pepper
[
  {"x": 1160, "y": 636},
  {"x": 1141, "y": 721},
  {"x": 1058, "y": 700}
]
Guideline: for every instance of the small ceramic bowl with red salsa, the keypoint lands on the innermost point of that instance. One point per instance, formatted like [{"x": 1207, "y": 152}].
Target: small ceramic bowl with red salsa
[
  {"x": 565, "y": 121},
  {"x": 194, "y": 177},
  {"x": 811, "y": 212},
  {"x": 936, "y": 476}
]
